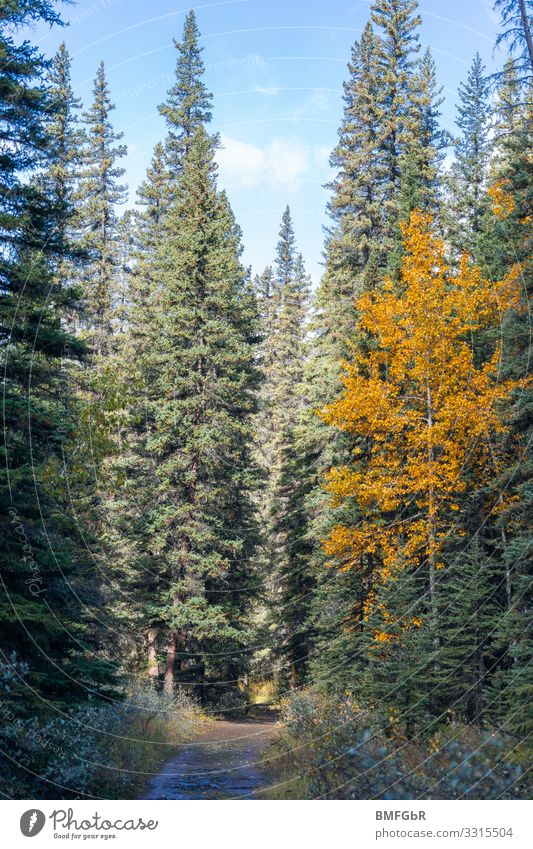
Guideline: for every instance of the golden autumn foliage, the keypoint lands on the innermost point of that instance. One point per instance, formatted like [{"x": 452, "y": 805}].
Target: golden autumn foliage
[
  {"x": 502, "y": 201},
  {"x": 421, "y": 406}
]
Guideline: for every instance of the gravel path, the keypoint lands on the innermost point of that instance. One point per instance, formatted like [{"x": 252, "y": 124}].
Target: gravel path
[{"x": 222, "y": 763}]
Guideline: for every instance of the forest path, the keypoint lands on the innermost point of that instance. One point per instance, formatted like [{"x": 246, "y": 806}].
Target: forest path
[{"x": 222, "y": 763}]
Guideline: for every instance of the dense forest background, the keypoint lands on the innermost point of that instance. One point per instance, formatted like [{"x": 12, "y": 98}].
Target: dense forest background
[{"x": 218, "y": 489}]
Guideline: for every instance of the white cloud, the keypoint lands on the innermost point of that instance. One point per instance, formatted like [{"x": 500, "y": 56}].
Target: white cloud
[
  {"x": 321, "y": 153},
  {"x": 286, "y": 162},
  {"x": 268, "y": 92},
  {"x": 281, "y": 162},
  {"x": 318, "y": 101}
]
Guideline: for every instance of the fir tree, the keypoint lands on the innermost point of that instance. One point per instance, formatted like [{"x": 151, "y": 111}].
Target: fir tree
[
  {"x": 468, "y": 182},
  {"x": 399, "y": 22},
  {"x": 45, "y": 610},
  {"x": 420, "y": 181},
  {"x": 202, "y": 380},
  {"x": 188, "y": 103},
  {"x": 517, "y": 24},
  {"x": 98, "y": 195}
]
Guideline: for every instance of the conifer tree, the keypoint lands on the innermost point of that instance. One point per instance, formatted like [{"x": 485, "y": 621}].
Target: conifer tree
[
  {"x": 202, "y": 378},
  {"x": 470, "y": 599},
  {"x": 380, "y": 119},
  {"x": 284, "y": 293},
  {"x": 468, "y": 183},
  {"x": 421, "y": 161},
  {"x": 188, "y": 103},
  {"x": 289, "y": 474},
  {"x": 44, "y": 610},
  {"x": 509, "y": 248},
  {"x": 63, "y": 129},
  {"x": 399, "y": 45},
  {"x": 98, "y": 195},
  {"x": 354, "y": 247},
  {"x": 356, "y": 237},
  {"x": 517, "y": 24},
  {"x": 265, "y": 291}
]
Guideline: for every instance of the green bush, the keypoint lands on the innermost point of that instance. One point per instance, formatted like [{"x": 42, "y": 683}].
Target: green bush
[
  {"x": 107, "y": 750},
  {"x": 335, "y": 749}
]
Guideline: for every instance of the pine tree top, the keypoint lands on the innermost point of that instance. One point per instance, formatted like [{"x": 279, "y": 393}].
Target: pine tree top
[
  {"x": 400, "y": 21},
  {"x": 188, "y": 103},
  {"x": 285, "y": 250}
]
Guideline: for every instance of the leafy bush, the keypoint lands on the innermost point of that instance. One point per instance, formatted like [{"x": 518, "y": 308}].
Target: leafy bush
[
  {"x": 337, "y": 750},
  {"x": 105, "y": 751}
]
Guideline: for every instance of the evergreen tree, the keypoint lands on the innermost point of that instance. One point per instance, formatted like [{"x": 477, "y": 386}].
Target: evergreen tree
[
  {"x": 289, "y": 478},
  {"x": 188, "y": 103},
  {"x": 509, "y": 247},
  {"x": 420, "y": 181},
  {"x": 202, "y": 378},
  {"x": 356, "y": 238},
  {"x": 45, "y": 611},
  {"x": 63, "y": 130},
  {"x": 283, "y": 296},
  {"x": 354, "y": 250},
  {"x": 151, "y": 199},
  {"x": 98, "y": 195},
  {"x": 290, "y": 303},
  {"x": 517, "y": 24},
  {"x": 399, "y": 22},
  {"x": 468, "y": 181},
  {"x": 470, "y": 594}
]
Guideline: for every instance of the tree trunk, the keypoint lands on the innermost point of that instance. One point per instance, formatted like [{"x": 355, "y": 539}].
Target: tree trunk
[
  {"x": 527, "y": 31},
  {"x": 431, "y": 525},
  {"x": 508, "y": 581},
  {"x": 153, "y": 669},
  {"x": 170, "y": 664}
]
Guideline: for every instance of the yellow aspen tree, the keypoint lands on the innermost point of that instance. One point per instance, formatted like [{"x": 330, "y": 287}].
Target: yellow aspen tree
[{"x": 423, "y": 408}]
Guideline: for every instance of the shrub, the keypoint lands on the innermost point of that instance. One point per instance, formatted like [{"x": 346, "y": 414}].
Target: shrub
[
  {"x": 107, "y": 750},
  {"x": 335, "y": 749}
]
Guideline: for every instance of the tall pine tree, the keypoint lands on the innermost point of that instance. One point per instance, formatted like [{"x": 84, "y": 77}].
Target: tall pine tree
[
  {"x": 45, "y": 610},
  {"x": 202, "y": 382},
  {"x": 468, "y": 179},
  {"x": 99, "y": 193}
]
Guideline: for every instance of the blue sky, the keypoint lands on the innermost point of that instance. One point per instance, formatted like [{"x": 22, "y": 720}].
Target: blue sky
[{"x": 276, "y": 70}]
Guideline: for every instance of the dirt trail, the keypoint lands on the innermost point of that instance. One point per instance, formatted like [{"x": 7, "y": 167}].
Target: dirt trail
[{"x": 222, "y": 763}]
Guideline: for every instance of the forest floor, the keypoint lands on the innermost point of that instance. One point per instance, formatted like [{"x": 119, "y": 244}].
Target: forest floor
[{"x": 225, "y": 762}]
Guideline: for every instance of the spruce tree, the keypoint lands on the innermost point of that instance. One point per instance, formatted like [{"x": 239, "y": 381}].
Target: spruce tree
[
  {"x": 98, "y": 195},
  {"x": 399, "y": 45},
  {"x": 63, "y": 130},
  {"x": 283, "y": 300},
  {"x": 471, "y": 592},
  {"x": 289, "y": 473},
  {"x": 468, "y": 179},
  {"x": 354, "y": 249},
  {"x": 512, "y": 195},
  {"x": 45, "y": 611},
  {"x": 421, "y": 161},
  {"x": 202, "y": 378},
  {"x": 517, "y": 24},
  {"x": 188, "y": 103}
]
